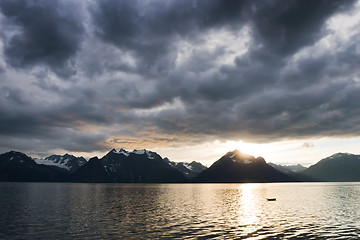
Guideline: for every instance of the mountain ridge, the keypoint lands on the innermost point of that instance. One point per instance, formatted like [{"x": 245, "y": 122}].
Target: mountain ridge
[
  {"x": 339, "y": 167},
  {"x": 144, "y": 166},
  {"x": 288, "y": 169}
]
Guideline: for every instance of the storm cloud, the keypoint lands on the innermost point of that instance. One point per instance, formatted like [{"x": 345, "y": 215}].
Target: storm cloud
[
  {"x": 41, "y": 32},
  {"x": 87, "y": 76}
]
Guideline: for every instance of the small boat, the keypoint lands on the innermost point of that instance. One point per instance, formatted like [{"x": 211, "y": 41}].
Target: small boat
[{"x": 271, "y": 199}]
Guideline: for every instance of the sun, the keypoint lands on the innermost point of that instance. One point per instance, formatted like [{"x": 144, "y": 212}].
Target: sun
[{"x": 254, "y": 149}]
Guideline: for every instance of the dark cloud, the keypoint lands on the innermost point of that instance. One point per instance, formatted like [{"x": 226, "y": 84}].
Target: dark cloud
[
  {"x": 286, "y": 26},
  {"x": 46, "y": 33},
  {"x": 175, "y": 72},
  {"x": 149, "y": 30}
]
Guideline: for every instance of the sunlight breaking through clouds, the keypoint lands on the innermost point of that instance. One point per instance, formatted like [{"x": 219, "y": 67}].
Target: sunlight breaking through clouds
[{"x": 178, "y": 74}]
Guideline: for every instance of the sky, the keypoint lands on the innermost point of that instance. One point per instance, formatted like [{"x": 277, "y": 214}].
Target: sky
[{"x": 190, "y": 80}]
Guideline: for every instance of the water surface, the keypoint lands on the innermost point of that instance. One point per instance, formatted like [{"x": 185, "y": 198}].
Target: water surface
[{"x": 182, "y": 211}]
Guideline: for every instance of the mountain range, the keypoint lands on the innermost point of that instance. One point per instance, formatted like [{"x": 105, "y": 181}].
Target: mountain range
[
  {"x": 144, "y": 166},
  {"x": 138, "y": 166}
]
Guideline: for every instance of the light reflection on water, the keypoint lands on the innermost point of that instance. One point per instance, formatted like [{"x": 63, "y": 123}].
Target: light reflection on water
[{"x": 183, "y": 211}]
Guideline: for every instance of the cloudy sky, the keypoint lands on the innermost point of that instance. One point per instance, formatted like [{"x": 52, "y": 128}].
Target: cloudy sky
[{"x": 188, "y": 79}]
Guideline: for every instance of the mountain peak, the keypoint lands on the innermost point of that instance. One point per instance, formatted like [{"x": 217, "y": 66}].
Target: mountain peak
[
  {"x": 16, "y": 153},
  {"x": 16, "y": 158},
  {"x": 232, "y": 154},
  {"x": 240, "y": 157},
  {"x": 340, "y": 154},
  {"x": 123, "y": 152},
  {"x": 236, "y": 166},
  {"x": 148, "y": 153}
]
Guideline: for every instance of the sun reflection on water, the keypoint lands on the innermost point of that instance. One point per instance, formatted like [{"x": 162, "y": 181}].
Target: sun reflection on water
[{"x": 249, "y": 208}]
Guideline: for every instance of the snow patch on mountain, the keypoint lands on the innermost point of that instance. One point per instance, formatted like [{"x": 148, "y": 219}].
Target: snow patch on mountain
[
  {"x": 121, "y": 151},
  {"x": 143, "y": 151},
  {"x": 188, "y": 166},
  {"x": 51, "y": 163},
  {"x": 149, "y": 154},
  {"x": 140, "y": 152},
  {"x": 67, "y": 162}
]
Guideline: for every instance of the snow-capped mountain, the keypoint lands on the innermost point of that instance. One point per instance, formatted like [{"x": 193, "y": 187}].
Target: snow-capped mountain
[
  {"x": 67, "y": 162},
  {"x": 288, "y": 169},
  {"x": 190, "y": 170}
]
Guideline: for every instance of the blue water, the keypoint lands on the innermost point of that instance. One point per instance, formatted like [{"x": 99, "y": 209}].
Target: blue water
[{"x": 180, "y": 211}]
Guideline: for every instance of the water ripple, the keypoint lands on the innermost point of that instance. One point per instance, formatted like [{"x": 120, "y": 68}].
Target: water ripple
[{"x": 179, "y": 211}]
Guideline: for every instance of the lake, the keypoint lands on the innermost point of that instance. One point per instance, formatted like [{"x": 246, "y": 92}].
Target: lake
[{"x": 179, "y": 211}]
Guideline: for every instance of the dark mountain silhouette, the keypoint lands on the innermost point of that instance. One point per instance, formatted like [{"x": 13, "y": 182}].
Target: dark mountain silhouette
[
  {"x": 340, "y": 167},
  {"x": 139, "y": 166},
  {"x": 236, "y": 166},
  {"x": 18, "y": 167},
  {"x": 92, "y": 172}
]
